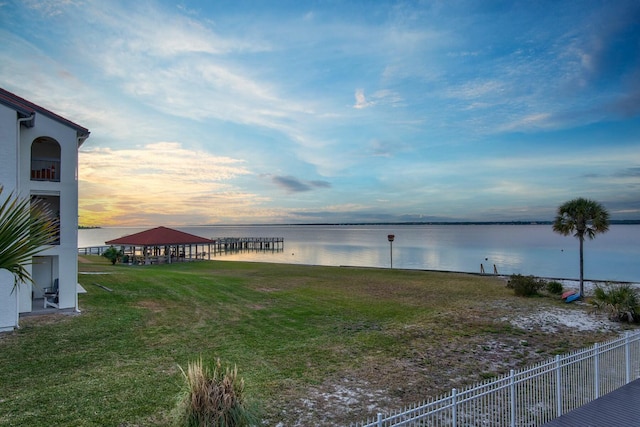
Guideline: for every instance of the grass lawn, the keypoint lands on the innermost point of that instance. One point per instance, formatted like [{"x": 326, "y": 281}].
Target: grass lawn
[{"x": 315, "y": 345}]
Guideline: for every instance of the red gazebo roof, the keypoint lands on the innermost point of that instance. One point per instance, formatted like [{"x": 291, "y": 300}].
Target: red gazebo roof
[{"x": 159, "y": 236}]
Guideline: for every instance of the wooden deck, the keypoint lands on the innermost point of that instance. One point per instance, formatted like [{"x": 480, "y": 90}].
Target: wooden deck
[
  {"x": 237, "y": 244},
  {"x": 621, "y": 407}
]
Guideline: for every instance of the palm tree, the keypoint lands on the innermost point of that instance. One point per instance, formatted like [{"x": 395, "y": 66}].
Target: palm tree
[
  {"x": 584, "y": 217},
  {"x": 26, "y": 227}
]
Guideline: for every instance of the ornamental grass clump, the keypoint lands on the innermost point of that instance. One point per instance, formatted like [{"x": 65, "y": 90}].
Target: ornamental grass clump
[
  {"x": 213, "y": 397},
  {"x": 620, "y": 302}
]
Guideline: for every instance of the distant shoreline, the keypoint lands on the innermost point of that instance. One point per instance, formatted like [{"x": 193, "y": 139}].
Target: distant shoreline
[
  {"x": 612, "y": 222},
  {"x": 618, "y": 222}
]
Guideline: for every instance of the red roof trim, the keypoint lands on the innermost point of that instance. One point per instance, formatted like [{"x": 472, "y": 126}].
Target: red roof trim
[{"x": 159, "y": 236}]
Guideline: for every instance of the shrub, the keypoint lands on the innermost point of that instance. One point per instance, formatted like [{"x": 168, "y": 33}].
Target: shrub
[
  {"x": 621, "y": 302},
  {"x": 213, "y": 397},
  {"x": 554, "y": 287},
  {"x": 112, "y": 254},
  {"x": 525, "y": 286}
]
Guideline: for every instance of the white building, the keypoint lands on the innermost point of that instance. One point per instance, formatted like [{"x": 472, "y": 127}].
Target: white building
[{"x": 39, "y": 159}]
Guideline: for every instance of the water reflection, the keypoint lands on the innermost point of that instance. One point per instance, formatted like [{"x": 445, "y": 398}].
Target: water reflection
[{"x": 524, "y": 249}]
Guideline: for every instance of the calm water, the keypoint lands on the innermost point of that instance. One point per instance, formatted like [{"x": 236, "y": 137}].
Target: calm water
[{"x": 523, "y": 249}]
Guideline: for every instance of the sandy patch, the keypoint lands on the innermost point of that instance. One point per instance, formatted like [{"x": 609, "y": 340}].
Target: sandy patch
[
  {"x": 552, "y": 319},
  {"x": 333, "y": 402},
  {"x": 578, "y": 316}
]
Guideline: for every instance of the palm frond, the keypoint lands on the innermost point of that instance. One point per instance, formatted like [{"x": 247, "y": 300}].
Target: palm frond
[{"x": 26, "y": 228}]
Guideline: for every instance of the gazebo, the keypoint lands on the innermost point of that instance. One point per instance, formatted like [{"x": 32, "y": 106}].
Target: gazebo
[{"x": 163, "y": 245}]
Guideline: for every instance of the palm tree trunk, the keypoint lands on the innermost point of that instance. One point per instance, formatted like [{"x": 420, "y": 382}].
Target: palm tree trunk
[{"x": 581, "y": 238}]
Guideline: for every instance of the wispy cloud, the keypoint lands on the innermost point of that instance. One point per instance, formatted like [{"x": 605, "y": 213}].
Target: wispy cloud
[
  {"x": 629, "y": 172},
  {"x": 294, "y": 185},
  {"x": 158, "y": 180},
  {"x": 361, "y": 100}
]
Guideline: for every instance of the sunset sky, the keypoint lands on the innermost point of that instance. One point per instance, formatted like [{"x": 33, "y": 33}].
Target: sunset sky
[{"x": 238, "y": 112}]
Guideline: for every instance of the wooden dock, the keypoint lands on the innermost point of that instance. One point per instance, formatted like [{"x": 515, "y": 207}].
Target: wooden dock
[{"x": 242, "y": 244}]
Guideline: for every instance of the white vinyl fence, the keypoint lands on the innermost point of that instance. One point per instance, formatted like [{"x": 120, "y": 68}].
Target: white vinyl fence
[{"x": 530, "y": 396}]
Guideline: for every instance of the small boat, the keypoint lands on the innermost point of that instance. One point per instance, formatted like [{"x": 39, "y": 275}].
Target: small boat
[
  {"x": 568, "y": 294},
  {"x": 572, "y": 298}
]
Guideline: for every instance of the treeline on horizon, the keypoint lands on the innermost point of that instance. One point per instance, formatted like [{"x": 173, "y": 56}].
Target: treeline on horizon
[{"x": 613, "y": 221}]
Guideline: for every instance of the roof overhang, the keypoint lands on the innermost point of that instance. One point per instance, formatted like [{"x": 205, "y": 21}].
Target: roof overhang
[{"x": 27, "y": 109}]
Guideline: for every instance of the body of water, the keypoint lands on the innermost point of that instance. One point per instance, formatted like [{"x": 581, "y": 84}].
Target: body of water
[{"x": 513, "y": 249}]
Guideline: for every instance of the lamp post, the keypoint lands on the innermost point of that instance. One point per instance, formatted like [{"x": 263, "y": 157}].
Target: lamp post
[{"x": 391, "y": 237}]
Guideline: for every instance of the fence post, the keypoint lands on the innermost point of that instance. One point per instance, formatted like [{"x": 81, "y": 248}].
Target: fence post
[
  {"x": 379, "y": 419},
  {"x": 558, "y": 387},
  {"x": 596, "y": 366},
  {"x": 454, "y": 411},
  {"x": 627, "y": 356},
  {"x": 512, "y": 392}
]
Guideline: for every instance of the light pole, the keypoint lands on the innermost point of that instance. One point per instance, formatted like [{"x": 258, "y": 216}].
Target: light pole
[{"x": 391, "y": 237}]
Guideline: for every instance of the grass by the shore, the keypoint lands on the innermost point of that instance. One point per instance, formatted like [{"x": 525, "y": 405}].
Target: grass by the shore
[{"x": 297, "y": 334}]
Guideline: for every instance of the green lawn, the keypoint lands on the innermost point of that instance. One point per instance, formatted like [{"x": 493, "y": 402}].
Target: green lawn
[{"x": 295, "y": 332}]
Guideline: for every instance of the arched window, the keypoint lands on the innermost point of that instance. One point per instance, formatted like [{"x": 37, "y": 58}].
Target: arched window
[{"x": 45, "y": 160}]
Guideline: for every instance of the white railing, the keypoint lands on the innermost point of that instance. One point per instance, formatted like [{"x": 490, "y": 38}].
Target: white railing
[{"x": 530, "y": 396}]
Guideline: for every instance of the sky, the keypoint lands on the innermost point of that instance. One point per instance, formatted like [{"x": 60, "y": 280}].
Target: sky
[{"x": 251, "y": 112}]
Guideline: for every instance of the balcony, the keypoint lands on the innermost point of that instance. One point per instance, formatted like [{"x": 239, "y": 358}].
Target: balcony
[
  {"x": 43, "y": 169},
  {"x": 51, "y": 204}
]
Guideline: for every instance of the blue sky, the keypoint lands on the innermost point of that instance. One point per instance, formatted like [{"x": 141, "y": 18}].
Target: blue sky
[{"x": 221, "y": 112}]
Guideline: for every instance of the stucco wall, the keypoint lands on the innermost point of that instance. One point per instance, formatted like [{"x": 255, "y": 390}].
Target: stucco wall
[
  {"x": 8, "y": 302},
  {"x": 8, "y": 299},
  {"x": 15, "y": 173},
  {"x": 66, "y": 253},
  {"x": 8, "y": 119}
]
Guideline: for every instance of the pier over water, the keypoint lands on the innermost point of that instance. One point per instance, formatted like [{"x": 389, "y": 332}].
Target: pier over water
[{"x": 240, "y": 244}]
